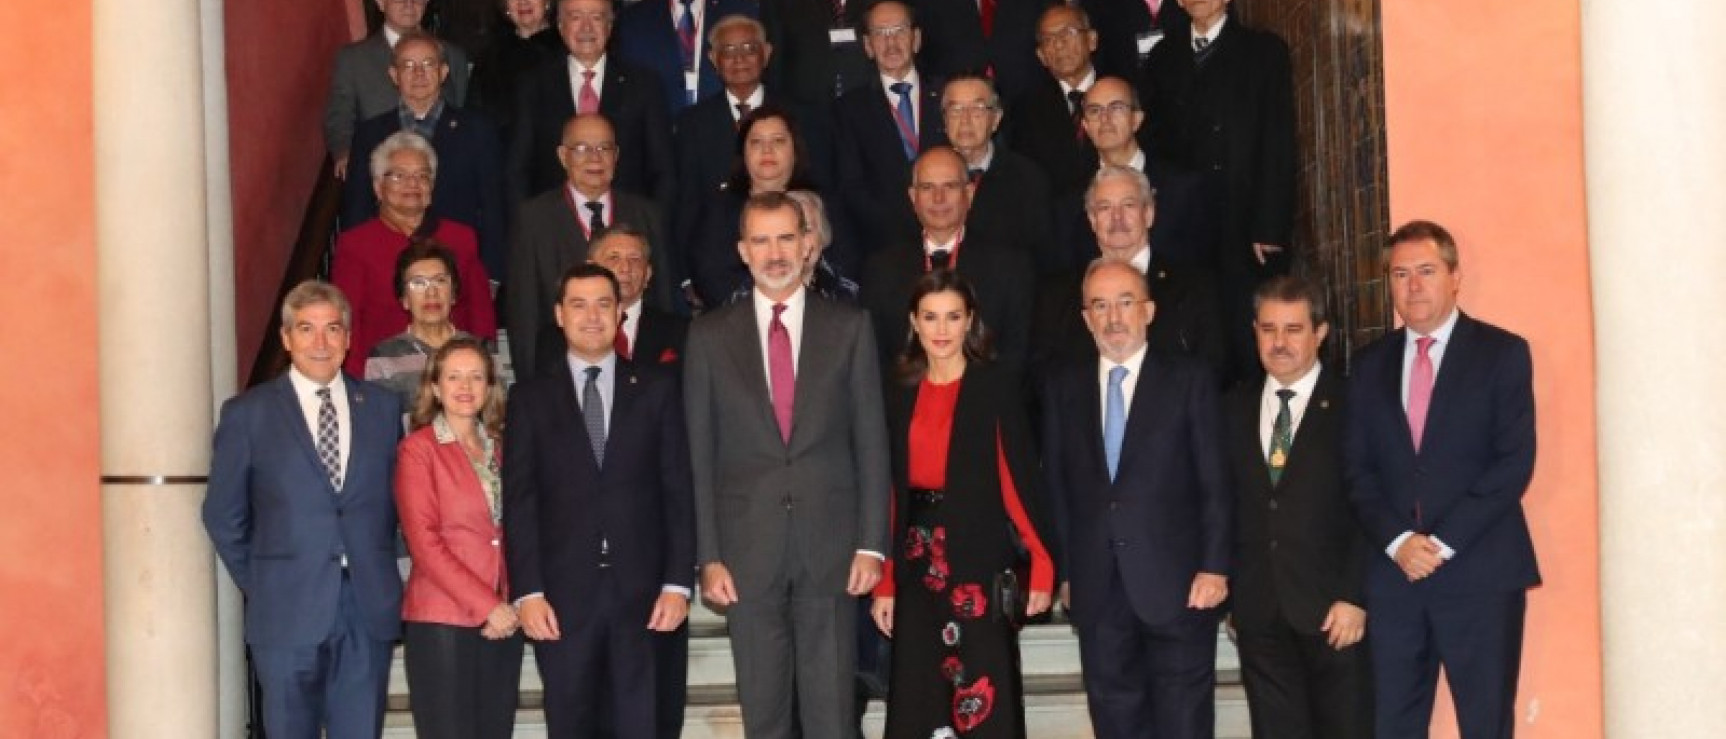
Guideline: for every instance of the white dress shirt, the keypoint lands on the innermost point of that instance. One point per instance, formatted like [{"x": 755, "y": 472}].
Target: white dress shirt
[
  {"x": 793, "y": 320},
  {"x": 951, "y": 245},
  {"x": 582, "y": 214},
  {"x": 755, "y": 100},
  {"x": 1210, "y": 36},
  {"x": 576, "y": 80},
  {"x": 692, "y": 75},
  {"x": 1270, "y": 405},
  {"x": 916, "y": 95},
  {"x": 306, "y": 391},
  {"x": 1135, "y": 362}
]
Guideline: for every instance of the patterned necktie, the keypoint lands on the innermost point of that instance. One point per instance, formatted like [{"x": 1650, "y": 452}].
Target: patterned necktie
[
  {"x": 686, "y": 34},
  {"x": 329, "y": 438},
  {"x": 781, "y": 372},
  {"x": 1282, "y": 436},
  {"x": 595, "y": 218},
  {"x": 1076, "y": 104},
  {"x": 593, "y": 414},
  {"x": 905, "y": 118},
  {"x": 743, "y": 109},
  {"x": 1202, "y": 49},
  {"x": 620, "y": 342},
  {"x": 1420, "y": 389},
  {"x": 1115, "y": 420},
  {"x": 588, "y": 102}
]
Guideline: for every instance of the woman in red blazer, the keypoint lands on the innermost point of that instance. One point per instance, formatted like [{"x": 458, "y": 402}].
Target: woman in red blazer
[{"x": 463, "y": 654}]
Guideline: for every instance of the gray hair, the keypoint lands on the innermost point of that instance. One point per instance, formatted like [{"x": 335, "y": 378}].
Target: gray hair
[
  {"x": 988, "y": 84},
  {"x": 422, "y": 37},
  {"x": 402, "y": 141},
  {"x": 1101, "y": 263},
  {"x": 736, "y": 19},
  {"x": 313, "y": 292},
  {"x": 619, "y": 230},
  {"x": 1113, "y": 171},
  {"x": 815, "y": 214}
]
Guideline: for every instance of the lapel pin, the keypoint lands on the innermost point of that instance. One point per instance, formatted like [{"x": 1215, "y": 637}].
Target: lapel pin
[
  {"x": 1324, "y": 403},
  {"x": 632, "y": 379},
  {"x": 1162, "y": 274},
  {"x": 453, "y": 124},
  {"x": 359, "y": 398}
]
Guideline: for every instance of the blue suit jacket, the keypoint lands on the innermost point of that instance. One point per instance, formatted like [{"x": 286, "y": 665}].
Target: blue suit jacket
[
  {"x": 1475, "y": 460},
  {"x": 646, "y": 37},
  {"x": 1167, "y": 515},
  {"x": 281, "y": 528}
]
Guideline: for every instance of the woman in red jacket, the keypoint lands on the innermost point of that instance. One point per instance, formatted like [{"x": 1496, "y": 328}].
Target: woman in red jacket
[{"x": 463, "y": 654}]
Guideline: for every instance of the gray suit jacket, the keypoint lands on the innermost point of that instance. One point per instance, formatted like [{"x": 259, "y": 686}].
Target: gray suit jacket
[
  {"x": 360, "y": 87},
  {"x": 827, "y": 491}
]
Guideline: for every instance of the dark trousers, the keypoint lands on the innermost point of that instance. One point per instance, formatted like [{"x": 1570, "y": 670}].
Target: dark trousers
[
  {"x": 462, "y": 685},
  {"x": 1476, "y": 638},
  {"x": 794, "y": 643},
  {"x": 336, "y": 686},
  {"x": 606, "y": 653},
  {"x": 1298, "y": 687},
  {"x": 1145, "y": 680},
  {"x": 670, "y": 685}
]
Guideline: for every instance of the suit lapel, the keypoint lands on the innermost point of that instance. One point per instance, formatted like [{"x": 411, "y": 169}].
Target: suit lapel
[
  {"x": 624, "y": 392},
  {"x": 1390, "y": 387},
  {"x": 746, "y": 354},
  {"x": 295, "y": 418},
  {"x": 1150, "y": 395},
  {"x": 1316, "y": 422},
  {"x": 1453, "y": 372},
  {"x": 1249, "y": 450},
  {"x": 568, "y": 420},
  {"x": 612, "y": 98},
  {"x": 815, "y": 349}
]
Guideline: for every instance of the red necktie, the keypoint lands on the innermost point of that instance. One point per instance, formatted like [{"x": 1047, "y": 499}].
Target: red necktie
[
  {"x": 1420, "y": 389},
  {"x": 986, "y": 9},
  {"x": 589, "y": 101},
  {"x": 780, "y": 372},
  {"x": 620, "y": 342}
]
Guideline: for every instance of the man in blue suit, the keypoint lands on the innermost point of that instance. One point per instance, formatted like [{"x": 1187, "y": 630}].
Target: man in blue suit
[
  {"x": 1438, "y": 452},
  {"x": 670, "y": 37},
  {"x": 1143, "y": 513},
  {"x": 301, "y": 510}
]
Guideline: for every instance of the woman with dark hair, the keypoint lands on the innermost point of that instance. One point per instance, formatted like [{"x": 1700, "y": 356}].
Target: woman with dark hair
[
  {"x": 428, "y": 285},
  {"x": 462, "y": 653},
  {"x": 952, "y": 596},
  {"x": 771, "y": 157},
  {"x": 528, "y": 40}
]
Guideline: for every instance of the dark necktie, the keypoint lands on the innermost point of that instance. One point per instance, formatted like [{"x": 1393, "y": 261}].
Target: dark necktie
[
  {"x": 1202, "y": 49},
  {"x": 595, "y": 218},
  {"x": 1076, "y": 104},
  {"x": 1282, "y": 436},
  {"x": 905, "y": 118},
  {"x": 976, "y": 175},
  {"x": 621, "y": 341},
  {"x": 781, "y": 372},
  {"x": 686, "y": 34},
  {"x": 742, "y": 112},
  {"x": 940, "y": 259},
  {"x": 329, "y": 438},
  {"x": 986, "y": 13},
  {"x": 593, "y": 414},
  {"x": 838, "y": 7}
]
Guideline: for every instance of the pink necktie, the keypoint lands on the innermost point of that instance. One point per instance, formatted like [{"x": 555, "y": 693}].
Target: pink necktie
[
  {"x": 589, "y": 102},
  {"x": 1420, "y": 389},
  {"x": 780, "y": 372}
]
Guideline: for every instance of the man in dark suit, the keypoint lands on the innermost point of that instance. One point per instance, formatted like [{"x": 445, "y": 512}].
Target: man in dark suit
[
  {"x": 669, "y": 38},
  {"x": 1439, "y": 451},
  {"x": 1001, "y": 272},
  {"x": 1128, "y": 30},
  {"x": 820, "y": 57},
  {"x": 1143, "y": 511},
  {"x": 1011, "y": 201},
  {"x": 301, "y": 509},
  {"x": 644, "y": 334},
  {"x": 589, "y": 80},
  {"x": 598, "y": 518},
  {"x": 553, "y": 231},
  {"x": 882, "y": 125},
  {"x": 1220, "y": 103},
  {"x": 360, "y": 84},
  {"x": 791, "y": 476},
  {"x": 1299, "y": 552},
  {"x": 983, "y": 37},
  {"x": 1043, "y": 123},
  {"x": 469, "y": 186},
  {"x": 1112, "y": 117}
]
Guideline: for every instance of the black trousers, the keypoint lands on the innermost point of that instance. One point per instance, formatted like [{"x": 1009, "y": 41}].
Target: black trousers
[
  {"x": 1146, "y": 680},
  {"x": 1299, "y": 687},
  {"x": 602, "y": 669},
  {"x": 461, "y": 684}
]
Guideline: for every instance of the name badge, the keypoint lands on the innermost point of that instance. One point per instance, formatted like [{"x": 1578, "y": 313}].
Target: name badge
[
  {"x": 842, "y": 36},
  {"x": 1148, "y": 40}
]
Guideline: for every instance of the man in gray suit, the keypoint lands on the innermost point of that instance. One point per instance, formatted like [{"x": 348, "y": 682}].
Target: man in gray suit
[
  {"x": 789, "y": 451},
  {"x": 360, "y": 87}
]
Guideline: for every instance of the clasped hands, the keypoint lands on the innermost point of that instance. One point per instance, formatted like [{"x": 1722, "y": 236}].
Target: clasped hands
[{"x": 1419, "y": 557}]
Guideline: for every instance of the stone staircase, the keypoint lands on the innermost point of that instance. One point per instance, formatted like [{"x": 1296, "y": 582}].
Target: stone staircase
[{"x": 1054, "y": 695}]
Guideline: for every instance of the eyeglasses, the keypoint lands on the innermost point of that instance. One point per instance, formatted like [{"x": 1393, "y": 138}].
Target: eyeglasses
[
  {"x": 421, "y": 177},
  {"x": 738, "y": 51},
  {"x": 419, "y": 65},
  {"x": 967, "y": 110},
  {"x": 1127, "y": 205},
  {"x": 1100, "y": 307},
  {"x": 1117, "y": 109},
  {"x": 890, "y": 32},
  {"x": 582, "y": 151},
  {"x": 423, "y": 283},
  {"x": 1062, "y": 35}
]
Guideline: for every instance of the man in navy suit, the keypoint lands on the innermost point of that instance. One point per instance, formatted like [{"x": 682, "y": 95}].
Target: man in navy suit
[
  {"x": 301, "y": 509},
  {"x": 1143, "y": 511},
  {"x": 1439, "y": 451},
  {"x": 598, "y": 517},
  {"x": 669, "y": 37}
]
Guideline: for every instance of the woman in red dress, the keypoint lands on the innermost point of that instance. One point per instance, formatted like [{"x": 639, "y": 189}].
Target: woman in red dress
[{"x": 963, "y": 467}]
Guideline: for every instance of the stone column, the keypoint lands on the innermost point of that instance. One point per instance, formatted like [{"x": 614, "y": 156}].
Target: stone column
[
  {"x": 154, "y": 348},
  {"x": 1655, "y": 134}
]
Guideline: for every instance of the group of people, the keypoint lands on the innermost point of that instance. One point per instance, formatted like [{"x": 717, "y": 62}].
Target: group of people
[{"x": 908, "y": 402}]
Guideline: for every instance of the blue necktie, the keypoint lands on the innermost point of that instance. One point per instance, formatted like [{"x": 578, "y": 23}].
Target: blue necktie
[
  {"x": 906, "y": 119},
  {"x": 686, "y": 34},
  {"x": 1115, "y": 420}
]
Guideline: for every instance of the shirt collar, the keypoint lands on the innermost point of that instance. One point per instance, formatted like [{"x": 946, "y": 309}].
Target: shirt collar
[
  {"x": 929, "y": 247},
  {"x": 391, "y": 36},
  {"x": 1134, "y": 363},
  {"x": 1303, "y": 387},
  {"x": 988, "y": 158},
  {"x": 1141, "y": 260},
  {"x": 1440, "y": 335},
  {"x": 304, "y": 385},
  {"x": 764, "y": 305},
  {"x": 754, "y": 101},
  {"x": 1084, "y": 84},
  {"x": 1216, "y": 30},
  {"x": 578, "y": 366},
  {"x": 576, "y": 68},
  {"x": 911, "y": 77}
]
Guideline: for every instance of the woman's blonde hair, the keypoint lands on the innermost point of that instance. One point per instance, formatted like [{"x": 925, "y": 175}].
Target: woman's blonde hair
[{"x": 427, "y": 406}]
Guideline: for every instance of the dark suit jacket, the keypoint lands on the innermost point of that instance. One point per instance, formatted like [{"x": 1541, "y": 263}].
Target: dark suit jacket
[
  {"x": 1466, "y": 481},
  {"x": 954, "y": 43},
  {"x": 1186, "y": 321},
  {"x": 659, "y": 337},
  {"x": 360, "y": 87},
  {"x": 559, "y": 503},
  {"x": 1119, "y": 23},
  {"x": 806, "y": 65},
  {"x": 469, "y": 186},
  {"x": 1298, "y": 546},
  {"x": 281, "y": 528},
  {"x": 1167, "y": 515},
  {"x": 1012, "y": 207},
  {"x": 873, "y": 170},
  {"x": 1232, "y": 122},
  {"x": 1004, "y": 278},
  {"x": 1039, "y": 125},
  {"x": 823, "y": 497},
  {"x": 546, "y": 241},
  {"x": 646, "y": 36},
  {"x": 630, "y": 98}
]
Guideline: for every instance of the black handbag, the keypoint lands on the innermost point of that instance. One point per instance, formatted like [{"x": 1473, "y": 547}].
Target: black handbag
[{"x": 1010, "y": 585}]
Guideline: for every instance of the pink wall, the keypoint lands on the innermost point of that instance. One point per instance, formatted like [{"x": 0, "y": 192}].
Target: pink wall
[
  {"x": 279, "y": 60},
  {"x": 51, "y": 654},
  {"x": 1484, "y": 117}
]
